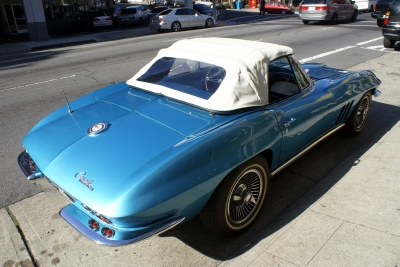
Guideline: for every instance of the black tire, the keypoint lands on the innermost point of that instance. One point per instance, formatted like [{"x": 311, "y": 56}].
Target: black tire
[
  {"x": 283, "y": 12},
  {"x": 355, "y": 123},
  {"x": 334, "y": 19},
  {"x": 388, "y": 43},
  {"x": 305, "y": 21},
  {"x": 175, "y": 26},
  {"x": 379, "y": 22},
  {"x": 242, "y": 191},
  {"x": 354, "y": 17},
  {"x": 209, "y": 23}
]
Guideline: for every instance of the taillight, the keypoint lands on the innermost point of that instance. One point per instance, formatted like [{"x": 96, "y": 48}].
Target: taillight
[
  {"x": 375, "y": 7},
  {"x": 93, "y": 225},
  {"x": 321, "y": 8},
  {"x": 108, "y": 18},
  {"x": 386, "y": 18},
  {"x": 107, "y": 232},
  {"x": 96, "y": 19},
  {"x": 131, "y": 18},
  {"x": 303, "y": 7}
]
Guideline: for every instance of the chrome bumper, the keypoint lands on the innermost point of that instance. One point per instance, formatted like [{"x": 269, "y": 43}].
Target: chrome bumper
[
  {"x": 28, "y": 166},
  {"x": 76, "y": 218}
]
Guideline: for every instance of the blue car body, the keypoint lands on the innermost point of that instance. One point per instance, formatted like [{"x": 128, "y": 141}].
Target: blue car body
[{"x": 159, "y": 160}]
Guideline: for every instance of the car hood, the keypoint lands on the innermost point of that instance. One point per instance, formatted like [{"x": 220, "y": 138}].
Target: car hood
[{"x": 144, "y": 130}]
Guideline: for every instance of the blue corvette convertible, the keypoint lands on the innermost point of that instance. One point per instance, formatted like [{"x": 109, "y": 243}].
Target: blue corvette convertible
[{"x": 193, "y": 132}]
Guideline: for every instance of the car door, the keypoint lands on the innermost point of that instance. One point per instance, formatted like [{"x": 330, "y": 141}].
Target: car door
[
  {"x": 182, "y": 17},
  {"x": 295, "y": 103},
  {"x": 196, "y": 20}
]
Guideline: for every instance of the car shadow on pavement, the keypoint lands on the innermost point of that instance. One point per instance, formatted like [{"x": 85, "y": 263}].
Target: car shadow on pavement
[{"x": 295, "y": 189}]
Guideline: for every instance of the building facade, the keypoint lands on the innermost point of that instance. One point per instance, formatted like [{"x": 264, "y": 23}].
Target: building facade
[{"x": 41, "y": 18}]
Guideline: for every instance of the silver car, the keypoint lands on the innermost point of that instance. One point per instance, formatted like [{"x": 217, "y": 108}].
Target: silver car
[
  {"x": 178, "y": 18},
  {"x": 327, "y": 10}
]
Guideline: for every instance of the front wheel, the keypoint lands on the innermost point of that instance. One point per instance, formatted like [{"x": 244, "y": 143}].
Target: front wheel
[
  {"x": 283, "y": 12},
  {"x": 238, "y": 199},
  {"x": 334, "y": 19},
  {"x": 305, "y": 21},
  {"x": 354, "y": 17},
  {"x": 175, "y": 27},
  {"x": 355, "y": 123},
  {"x": 209, "y": 23},
  {"x": 388, "y": 43}
]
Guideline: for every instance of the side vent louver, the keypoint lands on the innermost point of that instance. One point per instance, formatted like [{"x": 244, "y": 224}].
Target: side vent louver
[{"x": 344, "y": 112}]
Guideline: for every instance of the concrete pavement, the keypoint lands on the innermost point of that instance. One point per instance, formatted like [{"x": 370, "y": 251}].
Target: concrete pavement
[{"x": 348, "y": 217}]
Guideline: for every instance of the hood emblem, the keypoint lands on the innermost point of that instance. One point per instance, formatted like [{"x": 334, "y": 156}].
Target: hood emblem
[
  {"x": 98, "y": 128},
  {"x": 86, "y": 182}
]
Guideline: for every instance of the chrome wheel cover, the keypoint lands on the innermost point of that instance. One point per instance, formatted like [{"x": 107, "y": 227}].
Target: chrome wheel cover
[
  {"x": 176, "y": 27},
  {"x": 244, "y": 197},
  {"x": 362, "y": 113}
]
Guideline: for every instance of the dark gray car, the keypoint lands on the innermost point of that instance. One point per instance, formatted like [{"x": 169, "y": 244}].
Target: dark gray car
[
  {"x": 327, "y": 10},
  {"x": 391, "y": 25}
]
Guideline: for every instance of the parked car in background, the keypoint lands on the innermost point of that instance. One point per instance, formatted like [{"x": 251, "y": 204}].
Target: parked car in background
[
  {"x": 196, "y": 131},
  {"x": 391, "y": 25},
  {"x": 277, "y": 7},
  {"x": 156, "y": 10},
  {"x": 327, "y": 10},
  {"x": 132, "y": 14},
  {"x": 380, "y": 9},
  {"x": 179, "y": 2},
  {"x": 179, "y": 18},
  {"x": 91, "y": 19},
  {"x": 205, "y": 2},
  {"x": 205, "y": 10}
]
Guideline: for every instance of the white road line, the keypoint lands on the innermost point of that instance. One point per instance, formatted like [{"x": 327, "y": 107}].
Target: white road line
[
  {"x": 326, "y": 54},
  {"x": 370, "y": 41},
  {"x": 14, "y": 66},
  {"x": 31, "y": 84}
]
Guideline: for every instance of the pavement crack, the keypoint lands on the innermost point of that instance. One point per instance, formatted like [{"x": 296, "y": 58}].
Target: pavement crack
[{"x": 26, "y": 243}]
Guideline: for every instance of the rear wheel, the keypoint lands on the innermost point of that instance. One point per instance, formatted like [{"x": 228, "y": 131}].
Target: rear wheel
[
  {"x": 354, "y": 17},
  {"x": 388, "y": 42},
  {"x": 176, "y": 26},
  {"x": 355, "y": 123},
  {"x": 379, "y": 22},
  {"x": 305, "y": 21},
  {"x": 209, "y": 23},
  {"x": 283, "y": 12},
  {"x": 238, "y": 199},
  {"x": 334, "y": 19}
]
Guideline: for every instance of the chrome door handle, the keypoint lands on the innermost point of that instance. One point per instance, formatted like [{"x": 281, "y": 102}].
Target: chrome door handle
[{"x": 287, "y": 124}]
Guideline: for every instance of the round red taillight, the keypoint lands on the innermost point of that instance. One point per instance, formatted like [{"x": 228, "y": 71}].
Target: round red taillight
[
  {"x": 107, "y": 232},
  {"x": 94, "y": 225}
]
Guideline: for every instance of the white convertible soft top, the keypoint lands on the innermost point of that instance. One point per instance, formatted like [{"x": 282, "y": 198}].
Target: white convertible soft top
[{"x": 245, "y": 62}]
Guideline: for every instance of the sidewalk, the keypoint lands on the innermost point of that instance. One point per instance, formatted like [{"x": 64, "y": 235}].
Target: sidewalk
[{"x": 351, "y": 217}]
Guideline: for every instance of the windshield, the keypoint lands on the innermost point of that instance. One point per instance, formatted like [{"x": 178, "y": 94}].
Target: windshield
[
  {"x": 128, "y": 11},
  {"x": 312, "y": 2},
  {"x": 188, "y": 76}
]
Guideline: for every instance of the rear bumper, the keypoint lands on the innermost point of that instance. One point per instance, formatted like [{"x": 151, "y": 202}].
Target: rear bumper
[
  {"x": 391, "y": 33},
  {"x": 319, "y": 17},
  {"x": 79, "y": 221}
]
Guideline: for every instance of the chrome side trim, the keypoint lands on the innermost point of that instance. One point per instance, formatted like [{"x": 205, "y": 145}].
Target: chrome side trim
[
  {"x": 98, "y": 238},
  {"x": 301, "y": 153}
]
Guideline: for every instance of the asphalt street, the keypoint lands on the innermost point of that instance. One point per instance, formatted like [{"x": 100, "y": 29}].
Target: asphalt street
[{"x": 335, "y": 206}]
